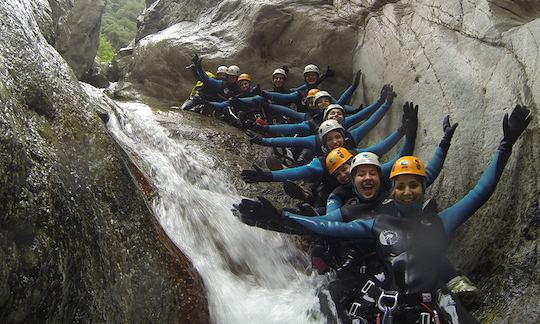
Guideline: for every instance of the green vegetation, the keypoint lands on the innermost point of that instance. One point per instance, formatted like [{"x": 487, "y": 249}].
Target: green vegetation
[
  {"x": 105, "y": 51},
  {"x": 118, "y": 26}
]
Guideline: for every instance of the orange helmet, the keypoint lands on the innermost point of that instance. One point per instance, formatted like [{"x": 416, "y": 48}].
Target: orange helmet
[
  {"x": 408, "y": 165},
  {"x": 336, "y": 158},
  {"x": 244, "y": 76},
  {"x": 311, "y": 93}
]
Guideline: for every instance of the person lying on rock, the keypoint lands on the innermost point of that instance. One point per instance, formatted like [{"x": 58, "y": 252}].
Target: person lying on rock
[
  {"x": 318, "y": 143},
  {"x": 316, "y": 172},
  {"x": 226, "y": 89},
  {"x": 279, "y": 78},
  {"x": 312, "y": 119},
  {"x": 410, "y": 236}
]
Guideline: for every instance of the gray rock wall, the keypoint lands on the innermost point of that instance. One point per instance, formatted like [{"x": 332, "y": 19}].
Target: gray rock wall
[
  {"x": 76, "y": 31},
  {"x": 77, "y": 240},
  {"x": 472, "y": 59}
]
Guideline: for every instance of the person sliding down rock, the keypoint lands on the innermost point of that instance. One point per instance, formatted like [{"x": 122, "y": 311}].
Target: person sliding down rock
[{"x": 411, "y": 237}]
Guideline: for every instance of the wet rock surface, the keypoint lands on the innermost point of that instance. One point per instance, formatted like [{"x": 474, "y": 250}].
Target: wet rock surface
[
  {"x": 76, "y": 31},
  {"x": 473, "y": 60},
  {"x": 78, "y": 242}
]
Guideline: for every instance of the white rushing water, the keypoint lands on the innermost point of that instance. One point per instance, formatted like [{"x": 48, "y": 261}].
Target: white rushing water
[{"x": 251, "y": 275}]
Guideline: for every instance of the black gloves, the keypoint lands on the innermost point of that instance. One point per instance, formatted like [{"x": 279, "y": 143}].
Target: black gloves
[
  {"x": 409, "y": 121},
  {"x": 514, "y": 126},
  {"x": 448, "y": 133},
  {"x": 265, "y": 215},
  {"x": 197, "y": 61},
  {"x": 256, "y": 90},
  {"x": 254, "y": 138},
  {"x": 329, "y": 72},
  {"x": 390, "y": 94},
  {"x": 357, "y": 77},
  {"x": 257, "y": 175},
  {"x": 384, "y": 93}
]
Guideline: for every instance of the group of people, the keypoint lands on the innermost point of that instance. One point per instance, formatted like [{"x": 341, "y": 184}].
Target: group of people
[{"x": 374, "y": 231}]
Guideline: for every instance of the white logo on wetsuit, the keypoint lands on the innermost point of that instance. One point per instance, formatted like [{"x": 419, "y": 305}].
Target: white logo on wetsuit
[{"x": 388, "y": 238}]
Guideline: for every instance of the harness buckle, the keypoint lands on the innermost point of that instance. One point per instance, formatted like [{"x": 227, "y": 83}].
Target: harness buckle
[
  {"x": 355, "y": 309},
  {"x": 367, "y": 286},
  {"x": 393, "y": 295},
  {"x": 425, "y": 318}
]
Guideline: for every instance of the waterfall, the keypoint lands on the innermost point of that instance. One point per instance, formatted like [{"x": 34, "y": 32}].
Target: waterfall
[{"x": 251, "y": 275}]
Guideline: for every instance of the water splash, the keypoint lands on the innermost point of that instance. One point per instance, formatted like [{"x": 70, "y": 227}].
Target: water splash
[{"x": 252, "y": 276}]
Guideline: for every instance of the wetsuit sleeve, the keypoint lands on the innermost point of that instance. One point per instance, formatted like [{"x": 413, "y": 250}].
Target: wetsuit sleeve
[
  {"x": 209, "y": 83},
  {"x": 434, "y": 167},
  {"x": 303, "y": 87},
  {"x": 286, "y": 111},
  {"x": 384, "y": 146},
  {"x": 309, "y": 142},
  {"x": 350, "y": 120},
  {"x": 333, "y": 203},
  {"x": 252, "y": 101},
  {"x": 283, "y": 98},
  {"x": 311, "y": 170},
  {"x": 302, "y": 129},
  {"x": 361, "y": 131},
  {"x": 347, "y": 95},
  {"x": 334, "y": 216},
  {"x": 360, "y": 229},
  {"x": 457, "y": 214},
  {"x": 218, "y": 105}
]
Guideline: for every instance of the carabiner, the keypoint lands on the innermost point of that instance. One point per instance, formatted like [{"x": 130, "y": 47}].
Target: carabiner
[{"x": 392, "y": 295}]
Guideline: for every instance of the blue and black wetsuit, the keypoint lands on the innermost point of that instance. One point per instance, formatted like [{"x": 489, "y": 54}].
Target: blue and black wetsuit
[
  {"x": 298, "y": 95},
  {"x": 312, "y": 142},
  {"x": 308, "y": 127},
  {"x": 343, "y": 195}
]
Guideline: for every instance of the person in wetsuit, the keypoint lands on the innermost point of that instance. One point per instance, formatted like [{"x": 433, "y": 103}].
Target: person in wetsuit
[{"x": 410, "y": 237}]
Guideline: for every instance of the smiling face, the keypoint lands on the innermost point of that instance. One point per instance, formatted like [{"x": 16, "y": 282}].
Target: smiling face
[
  {"x": 231, "y": 79},
  {"x": 367, "y": 181},
  {"x": 343, "y": 173},
  {"x": 311, "y": 77},
  {"x": 222, "y": 76},
  {"x": 408, "y": 189},
  {"x": 323, "y": 102},
  {"x": 334, "y": 139},
  {"x": 244, "y": 85},
  {"x": 278, "y": 80},
  {"x": 336, "y": 114}
]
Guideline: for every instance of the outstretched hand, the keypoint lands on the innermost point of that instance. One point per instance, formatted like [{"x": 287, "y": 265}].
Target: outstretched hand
[
  {"x": 197, "y": 60},
  {"x": 409, "y": 121},
  {"x": 516, "y": 124},
  {"x": 256, "y": 90},
  {"x": 391, "y": 95},
  {"x": 254, "y": 138},
  {"x": 329, "y": 72},
  {"x": 357, "y": 77},
  {"x": 384, "y": 93},
  {"x": 256, "y": 175},
  {"x": 449, "y": 130}
]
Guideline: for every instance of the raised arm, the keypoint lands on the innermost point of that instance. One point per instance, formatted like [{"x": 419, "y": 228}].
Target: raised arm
[
  {"x": 347, "y": 94},
  {"x": 360, "y": 132},
  {"x": 434, "y": 167},
  {"x": 309, "y": 142},
  {"x": 457, "y": 214},
  {"x": 351, "y": 120}
]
